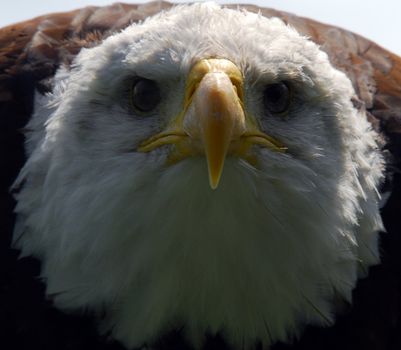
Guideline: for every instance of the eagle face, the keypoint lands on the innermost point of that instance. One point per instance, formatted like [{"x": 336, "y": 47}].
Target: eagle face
[{"x": 202, "y": 170}]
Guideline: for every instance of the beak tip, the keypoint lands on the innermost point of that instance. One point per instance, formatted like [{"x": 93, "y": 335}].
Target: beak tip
[
  {"x": 213, "y": 186},
  {"x": 214, "y": 181}
]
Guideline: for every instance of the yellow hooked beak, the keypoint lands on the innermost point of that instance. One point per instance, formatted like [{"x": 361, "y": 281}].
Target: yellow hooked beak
[{"x": 213, "y": 121}]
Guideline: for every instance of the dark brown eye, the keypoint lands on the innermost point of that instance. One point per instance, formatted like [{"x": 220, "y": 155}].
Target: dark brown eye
[
  {"x": 276, "y": 97},
  {"x": 145, "y": 95}
]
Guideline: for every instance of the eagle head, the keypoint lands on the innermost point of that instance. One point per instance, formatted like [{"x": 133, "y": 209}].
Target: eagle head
[{"x": 204, "y": 170}]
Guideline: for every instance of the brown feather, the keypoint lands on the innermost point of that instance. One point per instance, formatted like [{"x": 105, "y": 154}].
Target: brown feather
[{"x": 41, "y": 44}]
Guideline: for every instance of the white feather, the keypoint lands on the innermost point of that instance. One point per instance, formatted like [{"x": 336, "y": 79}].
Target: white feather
[{"x": 257, "y": 259}]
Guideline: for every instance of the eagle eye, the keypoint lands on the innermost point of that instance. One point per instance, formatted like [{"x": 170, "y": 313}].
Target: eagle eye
[
  {"x": 276, "y": 97},
  {"x": 145, "y": 95}
]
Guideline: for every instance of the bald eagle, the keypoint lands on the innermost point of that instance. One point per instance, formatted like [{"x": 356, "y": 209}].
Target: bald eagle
[{"x": 206, "y": 178}]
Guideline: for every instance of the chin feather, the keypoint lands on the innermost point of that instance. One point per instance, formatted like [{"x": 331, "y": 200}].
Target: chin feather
[{"x": 257, "y": 259}]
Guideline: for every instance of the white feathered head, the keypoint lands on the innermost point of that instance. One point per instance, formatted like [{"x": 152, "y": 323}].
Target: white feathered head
[{"x": 202, "y": 170}]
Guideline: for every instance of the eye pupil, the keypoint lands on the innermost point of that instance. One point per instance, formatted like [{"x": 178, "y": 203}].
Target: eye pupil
[
  {"x": 276, "y": 97},
  {"x": 145, "y": 95}
]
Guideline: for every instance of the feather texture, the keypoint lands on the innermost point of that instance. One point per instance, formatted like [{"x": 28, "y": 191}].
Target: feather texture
[{"x": 46, "y": 42}]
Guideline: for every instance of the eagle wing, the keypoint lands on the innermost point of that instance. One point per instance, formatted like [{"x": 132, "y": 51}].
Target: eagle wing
[{"x": 31, "y": 52}]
